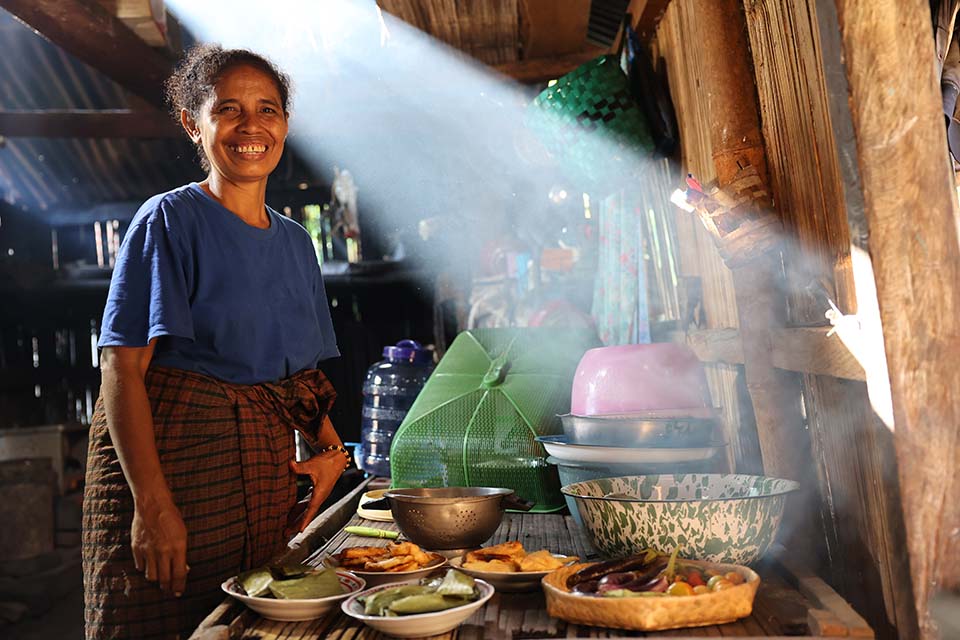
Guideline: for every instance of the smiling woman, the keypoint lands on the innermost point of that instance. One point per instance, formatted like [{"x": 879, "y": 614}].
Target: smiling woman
[{"x": 215, "y": 323}]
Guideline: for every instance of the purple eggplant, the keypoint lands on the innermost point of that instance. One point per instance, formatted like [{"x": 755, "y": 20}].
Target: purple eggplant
[
  {"x": 657, "y": 583},
  {"x": 586, "y": 588},
  {"x": 616, "y": 581},
  {"x": 597, "y": 571}
]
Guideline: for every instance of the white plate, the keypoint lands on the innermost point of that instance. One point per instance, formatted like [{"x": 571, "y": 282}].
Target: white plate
[
  {"x": 417, "y": 625},
  {"x": 295, "y": 610},
  {"x": 377, "y": 515},
  {"x": 507, "y": 582},
  {"x": 374, "y": 578},
  {"x": 559, "y": 448}
]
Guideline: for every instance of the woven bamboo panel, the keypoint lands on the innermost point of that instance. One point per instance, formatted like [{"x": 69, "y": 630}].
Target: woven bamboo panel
[{"x": 801, "y": 151}]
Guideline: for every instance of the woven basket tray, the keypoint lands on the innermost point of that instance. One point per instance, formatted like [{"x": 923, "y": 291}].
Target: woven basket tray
[{"x": 651, "y": 614}]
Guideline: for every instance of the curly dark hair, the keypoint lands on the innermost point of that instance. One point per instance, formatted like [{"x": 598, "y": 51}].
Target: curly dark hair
[{"x": 197, "y": 74}]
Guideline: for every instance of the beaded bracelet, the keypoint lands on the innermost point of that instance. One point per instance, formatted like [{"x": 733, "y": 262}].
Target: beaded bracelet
[{"x": 341, "y": 449}]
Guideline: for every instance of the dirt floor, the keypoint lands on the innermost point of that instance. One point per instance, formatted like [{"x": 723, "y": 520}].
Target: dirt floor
[{"x": 63, "y": 622}]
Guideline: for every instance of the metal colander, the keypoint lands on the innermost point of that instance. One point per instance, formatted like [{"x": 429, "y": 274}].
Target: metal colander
[{"x": 452, "y": 517}]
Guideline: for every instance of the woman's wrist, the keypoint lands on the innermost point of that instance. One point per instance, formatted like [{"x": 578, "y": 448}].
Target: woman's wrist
[
  {"x": 336, "y": 451},
  {"x": 152, "y": 499}
]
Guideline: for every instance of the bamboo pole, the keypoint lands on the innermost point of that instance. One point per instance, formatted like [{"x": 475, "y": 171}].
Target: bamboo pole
[
  {"x": 732, "y": 109},
  {"x": 911, "y": 213}
]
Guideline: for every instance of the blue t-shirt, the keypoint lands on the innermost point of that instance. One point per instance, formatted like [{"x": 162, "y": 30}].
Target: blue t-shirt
[{"x": 226, "y": 299}]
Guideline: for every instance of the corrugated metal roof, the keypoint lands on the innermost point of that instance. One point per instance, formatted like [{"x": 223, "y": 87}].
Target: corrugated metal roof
[{"x": 55, "y": 174}]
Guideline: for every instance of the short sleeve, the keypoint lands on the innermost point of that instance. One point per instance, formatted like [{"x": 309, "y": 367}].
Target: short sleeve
[
  {"x": 149, "y": 292},
  {"x": 329, "y": 349}
]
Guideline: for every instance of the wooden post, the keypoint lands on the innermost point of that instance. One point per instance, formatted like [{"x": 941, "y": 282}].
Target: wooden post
[
  {"x": 730, "y": 94},
  {"x": 728, "y": 85},
  {"x": 911, "y": 214}
]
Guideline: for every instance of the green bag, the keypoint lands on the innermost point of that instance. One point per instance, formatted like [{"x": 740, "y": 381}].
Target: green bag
[
  {"x": 474, "y": 422},
  {"x": 591, "y": 123}
]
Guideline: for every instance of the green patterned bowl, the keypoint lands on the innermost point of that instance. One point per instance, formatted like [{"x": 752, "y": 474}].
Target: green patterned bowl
[{"x": 715, "y": 517}]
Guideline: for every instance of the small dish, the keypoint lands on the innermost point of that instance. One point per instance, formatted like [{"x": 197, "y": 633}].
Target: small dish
[
  {"x": 295, "y": 610},
  {"x": 377, "y": 515},
  {"x": 375, "y": 578},
  {"x": 560, "y": 448},
  {"x": 508, "y": 582},
  {"x": 417, "y": 625}
]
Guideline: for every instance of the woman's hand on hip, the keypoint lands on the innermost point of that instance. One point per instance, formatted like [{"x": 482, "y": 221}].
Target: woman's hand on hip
[
  {"x": 324, "y": 470},
  {"x": 158, "y": 538}
]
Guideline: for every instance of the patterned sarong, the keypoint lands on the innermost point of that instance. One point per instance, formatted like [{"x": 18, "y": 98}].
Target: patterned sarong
[{"x": 224, "y": 450}]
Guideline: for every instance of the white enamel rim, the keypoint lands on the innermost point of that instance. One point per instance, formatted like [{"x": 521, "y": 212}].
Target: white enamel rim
[
  {"x": 486, "y": 592},
  {"x": 619, "y": 455},
  {"x": 230, "y": 585}
]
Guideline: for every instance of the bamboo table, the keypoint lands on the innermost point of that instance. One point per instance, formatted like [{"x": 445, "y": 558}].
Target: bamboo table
[{"x": 789, "y": 602}]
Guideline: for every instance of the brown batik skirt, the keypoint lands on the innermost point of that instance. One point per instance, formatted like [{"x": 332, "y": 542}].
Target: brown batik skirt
[{"x": 224, "y": 450}]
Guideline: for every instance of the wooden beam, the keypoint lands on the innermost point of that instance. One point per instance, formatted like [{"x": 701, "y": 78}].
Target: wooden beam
[
  {"x": 810, "y": 350},
  {"x": 716, "y": 345},
  {"x": 801, "y": 350},
  {"x": 543, "y": 69},
  {"x": 86, "y": 30},
  {"x": 911, "y": 214},
  {"x": 646, "y": 15},
  {"x": 88, "y": 124}
]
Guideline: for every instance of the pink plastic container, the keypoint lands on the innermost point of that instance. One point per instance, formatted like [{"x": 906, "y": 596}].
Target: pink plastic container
[{"x": 638, "y": 377}]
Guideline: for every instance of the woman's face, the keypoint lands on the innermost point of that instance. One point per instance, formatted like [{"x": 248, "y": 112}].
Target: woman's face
[{"x": 242, "y": 126}]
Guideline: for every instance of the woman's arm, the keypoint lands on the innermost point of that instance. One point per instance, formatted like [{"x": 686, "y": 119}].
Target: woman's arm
[
  {"x": 324, "y": 470},
  {"x": 158, "y": 535}
]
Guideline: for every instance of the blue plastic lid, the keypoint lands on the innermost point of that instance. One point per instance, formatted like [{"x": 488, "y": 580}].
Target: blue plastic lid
[{"x": 409, "y": 351}]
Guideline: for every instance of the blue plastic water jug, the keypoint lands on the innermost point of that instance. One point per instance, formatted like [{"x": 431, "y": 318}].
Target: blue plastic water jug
[{"x": 389, "y": 390}]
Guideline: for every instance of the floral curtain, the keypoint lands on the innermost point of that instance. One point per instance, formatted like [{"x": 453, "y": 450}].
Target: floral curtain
[{"x": 620, "y": 306}]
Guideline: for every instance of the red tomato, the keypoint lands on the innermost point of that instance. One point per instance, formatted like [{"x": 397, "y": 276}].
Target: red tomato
[{"x": 694, "y": 578}]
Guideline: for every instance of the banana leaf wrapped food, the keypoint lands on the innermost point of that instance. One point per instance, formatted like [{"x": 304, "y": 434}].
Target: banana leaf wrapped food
[{"x": 454, "y": 589}]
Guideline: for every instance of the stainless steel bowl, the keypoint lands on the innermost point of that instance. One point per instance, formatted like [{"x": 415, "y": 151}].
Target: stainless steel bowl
[
  {"x": 451, "y": 517},
  {"x": 638, "y": 431}
]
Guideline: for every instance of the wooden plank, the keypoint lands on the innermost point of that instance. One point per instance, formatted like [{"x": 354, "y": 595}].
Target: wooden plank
[
  {"x": 898, "y": 123},
  {"x": 865, "y": 538},
  {"x": 802, "y": 349},
  {"x": 825, "y": 623},
  {"x": 121, "y": 123},
  {"x": 537, "y": 70},
  {"x": 716, "y": 345},
  {"x": 810, "y": 350},
  {"x": 816, "y": 590},
  {"x": 88, "y": 31},
  {"x": 553, "y": 27},
  {"x": 647, "y": 15}
]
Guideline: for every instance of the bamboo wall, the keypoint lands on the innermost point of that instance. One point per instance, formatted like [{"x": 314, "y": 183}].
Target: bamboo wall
[{"x": 850, "y": 452}]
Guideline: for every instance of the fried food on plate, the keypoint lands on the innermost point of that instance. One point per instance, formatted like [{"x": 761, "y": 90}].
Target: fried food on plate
[
  {"x": 499, "y": 566},
  {"x": 400, "y": 556},
  {"x": 507, "y": 551},
  {"x": 512, "y": 557},
  {"x": 542, "y": 560}
]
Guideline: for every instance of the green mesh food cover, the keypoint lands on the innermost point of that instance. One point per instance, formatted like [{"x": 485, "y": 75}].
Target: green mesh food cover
[
  {"x": 591, "y": 123},
  {"x": 474, "y": 422}
]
